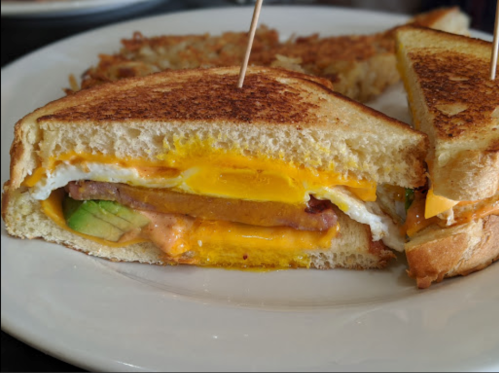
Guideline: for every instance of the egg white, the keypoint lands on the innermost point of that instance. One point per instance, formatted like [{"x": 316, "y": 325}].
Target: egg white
[
  {"x": 67, "y": 172},
  {"x": 368, "y": 213}
]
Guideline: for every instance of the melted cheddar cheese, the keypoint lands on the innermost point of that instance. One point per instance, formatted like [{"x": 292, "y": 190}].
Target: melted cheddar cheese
[
  {"x": 437, "y": 204},
  {"x": 224, "y": 244},
  {"x": 195, "y": 169},
  {"x": 415, "y": 220}
]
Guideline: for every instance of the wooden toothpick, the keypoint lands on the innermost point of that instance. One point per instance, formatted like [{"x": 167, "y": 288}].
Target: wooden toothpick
[
  {"x": 254, "y": 24},
  {"x": 493, "y": 67}
]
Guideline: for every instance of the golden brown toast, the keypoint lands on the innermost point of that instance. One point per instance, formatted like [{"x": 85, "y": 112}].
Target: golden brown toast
[
  {"x": 201, "y": 95},
  {"x": 453, "y": 100}
]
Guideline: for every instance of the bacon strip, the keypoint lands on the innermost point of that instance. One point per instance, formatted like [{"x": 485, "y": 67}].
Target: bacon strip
[{"x": 317, "y": 216}]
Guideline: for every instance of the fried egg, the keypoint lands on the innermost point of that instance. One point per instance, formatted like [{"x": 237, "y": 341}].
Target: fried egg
[{"x": 192, "y": 181}]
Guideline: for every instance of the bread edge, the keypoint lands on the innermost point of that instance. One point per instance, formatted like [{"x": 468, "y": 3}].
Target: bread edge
[{"x": 454, "y": 251}]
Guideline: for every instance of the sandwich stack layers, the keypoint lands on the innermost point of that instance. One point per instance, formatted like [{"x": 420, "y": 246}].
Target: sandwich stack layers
[
  {"x": 285, "y": 142},
  {"x": 453, "y": 100}
]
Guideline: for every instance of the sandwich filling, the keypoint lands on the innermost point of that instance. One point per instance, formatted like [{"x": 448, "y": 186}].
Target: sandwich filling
[
  {"x": 204, "y": 199},
  {"x": 427, "y": 209},
  {"x": 211, "y": 173},
  {"x": 189, "y": 240}
]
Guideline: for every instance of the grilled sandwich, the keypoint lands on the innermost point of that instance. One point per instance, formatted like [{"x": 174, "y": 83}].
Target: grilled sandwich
[
  {"x": 453, "y": 224},
  {"x": 182, "y": 167}
]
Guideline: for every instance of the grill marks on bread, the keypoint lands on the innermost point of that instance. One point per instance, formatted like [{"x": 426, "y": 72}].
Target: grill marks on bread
[
  {"x": 456, "y": 104},
  {"x": 212, "y": 98},
  {"x": 458, "y": 91}
]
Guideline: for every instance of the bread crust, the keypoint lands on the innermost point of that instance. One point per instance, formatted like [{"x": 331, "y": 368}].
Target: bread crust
[
  {"x": 438, "y": 253},
  {"x": 436, "y": 18},
  {"x": 206, "y": 95},
  {"x": 5, "y": 201},
  {"x": 472, "y": 175}
]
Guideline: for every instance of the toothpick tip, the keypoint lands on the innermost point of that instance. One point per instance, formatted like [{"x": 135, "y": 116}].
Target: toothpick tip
[
  {"x": 495, "y": 47},
  {"x": 254, "y": 23}
]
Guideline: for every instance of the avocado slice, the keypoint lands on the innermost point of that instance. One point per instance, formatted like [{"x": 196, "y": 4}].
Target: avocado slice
[
  {"x": 94, "y": 207},
  {"x": 103, "y": 219},
  {"x": 136, "y": 219},
  {"x": 81, "y": 220}
]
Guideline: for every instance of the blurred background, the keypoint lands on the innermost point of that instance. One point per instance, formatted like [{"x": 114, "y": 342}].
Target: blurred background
[{"x": 24, "y": 31}]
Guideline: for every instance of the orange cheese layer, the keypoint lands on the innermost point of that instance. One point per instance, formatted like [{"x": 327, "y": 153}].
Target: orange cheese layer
[
  {"x": 224, "y": 244},
  {"x": 437, "y": 204},
  {"x": 416, "y": 220},
  {"x": 218, "y": 173}
]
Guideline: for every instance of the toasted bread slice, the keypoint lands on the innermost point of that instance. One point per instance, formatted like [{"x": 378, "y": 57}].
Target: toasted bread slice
[
  {"x": 278, "y": 114},
  {"x": 437, "y": 253},
  {"x": 457, "y": 242},
  {"x": 444, "y": 19},
  {"x": 360, "y": 66},
  {"x": 453, "y": 100}
]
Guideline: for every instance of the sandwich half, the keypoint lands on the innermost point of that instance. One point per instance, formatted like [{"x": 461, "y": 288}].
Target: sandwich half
[
  {"x": 182, "y": 167},
  {"x": 454, "y": 224}
]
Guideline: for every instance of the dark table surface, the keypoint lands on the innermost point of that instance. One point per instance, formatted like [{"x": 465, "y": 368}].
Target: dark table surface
[{"x": 23, "y": 35}]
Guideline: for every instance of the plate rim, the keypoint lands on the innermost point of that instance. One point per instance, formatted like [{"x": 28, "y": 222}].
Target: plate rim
[{"x": 61, "y": 8}]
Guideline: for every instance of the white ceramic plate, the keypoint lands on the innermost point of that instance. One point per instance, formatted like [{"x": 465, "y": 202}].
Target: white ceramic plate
[
  {"x": 114, "y": 317},
  {"x": 51, "y": 8}
]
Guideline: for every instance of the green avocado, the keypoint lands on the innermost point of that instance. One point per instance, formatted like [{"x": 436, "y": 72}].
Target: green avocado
[
  {"x": 137, "y": 220},
  {"x": 409, "y": 198},
  {"x": 94, "y": 207},
  {"x": 103, "y": 219}
]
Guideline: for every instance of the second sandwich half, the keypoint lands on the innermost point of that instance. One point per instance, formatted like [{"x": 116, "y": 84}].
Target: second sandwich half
[{"x": 183, "y": 167}]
